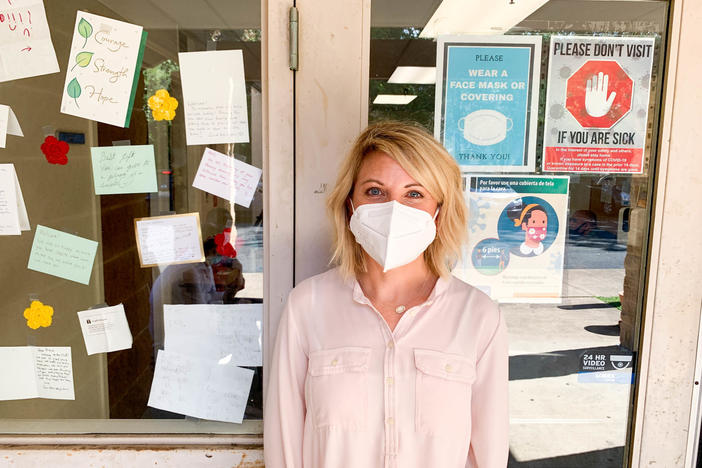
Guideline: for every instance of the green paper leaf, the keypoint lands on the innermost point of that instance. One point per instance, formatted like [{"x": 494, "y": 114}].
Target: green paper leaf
[
  {"x": 74, "y": 90},
  {"x": 85, "y": 30},
  {"x": 83, "y": 59}
]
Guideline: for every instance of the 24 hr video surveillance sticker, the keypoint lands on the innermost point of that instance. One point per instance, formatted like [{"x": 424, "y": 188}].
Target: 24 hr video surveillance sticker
[{"x": 597, "y": 104}]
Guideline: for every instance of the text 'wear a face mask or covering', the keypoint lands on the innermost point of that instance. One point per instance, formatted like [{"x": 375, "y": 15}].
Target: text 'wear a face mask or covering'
[{"x": 393, "y": 234}]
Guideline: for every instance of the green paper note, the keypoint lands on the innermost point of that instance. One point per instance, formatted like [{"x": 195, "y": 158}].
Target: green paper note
[
  {"x": 61, "y": 254},
  {"x": 124, "y": 169}
]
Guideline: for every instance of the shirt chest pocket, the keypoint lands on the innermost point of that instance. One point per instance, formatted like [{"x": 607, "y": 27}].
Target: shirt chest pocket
[
  {"x": 443, "y": 393},
  {"x": 338, "y": 387}
]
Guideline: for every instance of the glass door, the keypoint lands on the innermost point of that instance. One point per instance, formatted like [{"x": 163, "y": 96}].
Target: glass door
[{"x": 573, "y": 297}]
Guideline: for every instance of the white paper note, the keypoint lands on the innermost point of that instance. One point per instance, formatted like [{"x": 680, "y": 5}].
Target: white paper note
[
  {"x": 4, "y": 120},
  {"x": 201, "y": 388},
  {"x": 163, "y": 240},
  {"x": 36, "y": 372},
  {"x": 105, "y": 329},
  {"x": 103, "y": 69},
  {"x": 13, "y": 212},
  {"x": 25, "y": 42},
  {"x": 216, "y": 331},
  {"x": 9, "y": 125},
  {"x": 214, "y": 95},
  {"x": 227, "y": 177}
]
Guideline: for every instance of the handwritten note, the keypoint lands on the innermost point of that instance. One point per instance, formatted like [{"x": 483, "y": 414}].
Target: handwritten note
[
  {"x": 163, "y": 240},
  {"x": 124, "y": 169},
  {"x": 105, "y": 329},
  {"x": 36, "y": 372},
  {"x": 227, "y": 177},
  {"x": 61, "y": 254},
  {"x": 214, "y": 97},
  {"x": 13, "y": 212},
  {"x": 103, "y": 69},
  {"x": 202, "y": 388},
  {"x": 216, "y": 331},
  {"x": 25, "y": 42},
  {"x": 9, "y": 125}
]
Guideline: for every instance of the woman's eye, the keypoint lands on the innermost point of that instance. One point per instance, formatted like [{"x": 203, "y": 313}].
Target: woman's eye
[
  {"x": 415, "y": 194},
  {"x": 374, "y": 191}
]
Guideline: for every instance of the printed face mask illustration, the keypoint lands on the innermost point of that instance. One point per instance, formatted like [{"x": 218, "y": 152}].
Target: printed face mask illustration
[
  {"x": 485, "y": 127},
  {"x": 391, "y": 233},
  {"x": 536, "y": 227}
]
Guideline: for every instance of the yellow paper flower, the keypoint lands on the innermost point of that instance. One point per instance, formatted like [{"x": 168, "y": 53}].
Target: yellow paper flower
[
  {"x": 38, "y": 315},
  {"x": 163, "y": 105}
]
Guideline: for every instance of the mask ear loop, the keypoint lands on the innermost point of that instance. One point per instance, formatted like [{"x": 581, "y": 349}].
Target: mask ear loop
[
  {"x": 353, "y": 208},
  {"x": 437, "y": 212}
]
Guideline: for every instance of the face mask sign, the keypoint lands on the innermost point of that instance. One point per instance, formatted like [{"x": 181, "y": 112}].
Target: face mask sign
[{"x": 393, "y": 234}]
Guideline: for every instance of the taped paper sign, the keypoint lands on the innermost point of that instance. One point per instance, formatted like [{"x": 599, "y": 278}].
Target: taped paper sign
[
  {"x": 488, "y": 99},
  {"x": 9, "y": 125},
  {"x": 597, "y": 104},
  {"x": 61, "y": 254},
  {"x": 203, "y": 388},
  {"x": 516, "y": 243},
  {"x": 124, "y": 169},
  {"x": 227, "y": 177},
  {"x": 105, "y": 329},
  {"x": 36, "y": 372},
  {"x": 163, "y": 240},
  {"x": 25, "y": 42},
  {"x": 103, "y": 69},
  {"x": 214, "y": 97},
  {"x": 216, "y": 331},
  {"x": 13, "y": 212}
]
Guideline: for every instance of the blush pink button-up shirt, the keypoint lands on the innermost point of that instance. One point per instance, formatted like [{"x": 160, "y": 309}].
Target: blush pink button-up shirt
[{"x": 345, "y": 391}]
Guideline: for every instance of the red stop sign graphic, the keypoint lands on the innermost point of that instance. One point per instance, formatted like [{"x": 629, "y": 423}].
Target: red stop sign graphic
[{"x": 592, "y": 105}]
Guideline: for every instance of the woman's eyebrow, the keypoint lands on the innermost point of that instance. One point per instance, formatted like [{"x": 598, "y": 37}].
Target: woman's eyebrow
[
  {"x": 372, "y": 180},
  {"x": 414, "y": 185}
]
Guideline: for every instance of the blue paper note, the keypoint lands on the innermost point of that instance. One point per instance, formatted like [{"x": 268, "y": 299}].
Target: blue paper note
[
  {"x": 64, "y": 255},
  {"x": 124, "y": 169}
]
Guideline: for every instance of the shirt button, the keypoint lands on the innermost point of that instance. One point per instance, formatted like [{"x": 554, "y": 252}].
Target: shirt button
[
  {"x": 389, "y": 381},
  {"x": 335, "y": 362},
  {"x": 448, "y": 368},
  {"x": 391, "y": 421},
  {"x": 391, "y": 344}
]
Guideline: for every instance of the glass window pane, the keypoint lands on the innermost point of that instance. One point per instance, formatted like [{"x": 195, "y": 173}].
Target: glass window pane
[
  {"x": 116, "y": 385},
  {"x": 566, "y": 408}
]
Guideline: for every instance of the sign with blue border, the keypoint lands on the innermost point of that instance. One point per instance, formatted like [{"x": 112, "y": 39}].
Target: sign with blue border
[{"x": 487, "y": 101}]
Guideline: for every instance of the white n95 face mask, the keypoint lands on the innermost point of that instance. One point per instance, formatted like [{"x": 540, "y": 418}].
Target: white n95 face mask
[{"x": 391, "y": 233}]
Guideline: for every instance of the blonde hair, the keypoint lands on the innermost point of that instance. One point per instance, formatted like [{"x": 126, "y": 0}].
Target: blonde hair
[{"x": 427, "y": 162}]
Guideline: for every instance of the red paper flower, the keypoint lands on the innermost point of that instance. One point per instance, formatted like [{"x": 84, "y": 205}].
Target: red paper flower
[
  {"x": 224, "y": 246},
  {"x": 54, "y": 150}
]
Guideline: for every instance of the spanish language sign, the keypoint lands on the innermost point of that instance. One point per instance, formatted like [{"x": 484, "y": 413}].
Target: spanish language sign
[
  {"x": 487, "y": 94},
  {"x": 103, "y": 69},
  {"x": 597, "y": 104},
  {"x": 517, "y": 229},
  {"x": 25, "y": 41}
]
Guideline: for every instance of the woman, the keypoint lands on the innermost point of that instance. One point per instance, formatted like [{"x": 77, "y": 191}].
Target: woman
[{"x": 388, "y": 360}]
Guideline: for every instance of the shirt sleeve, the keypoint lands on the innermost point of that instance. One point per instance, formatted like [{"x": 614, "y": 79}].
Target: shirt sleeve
[
  {"x": 489, "y": 443},
  {"x": 284, "y": 412}
]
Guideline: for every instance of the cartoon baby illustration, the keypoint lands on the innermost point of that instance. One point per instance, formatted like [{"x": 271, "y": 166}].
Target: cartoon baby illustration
[{"x": 534, "y": 222}]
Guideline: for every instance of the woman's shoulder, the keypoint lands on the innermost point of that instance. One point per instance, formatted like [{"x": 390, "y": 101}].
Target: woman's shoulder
[
  {"x": 473, "y": 301},
  {"x": 329, "y": 282}
]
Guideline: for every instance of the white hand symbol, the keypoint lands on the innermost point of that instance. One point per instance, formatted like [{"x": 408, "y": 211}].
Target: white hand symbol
[{"x": 597, "y": 103}]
